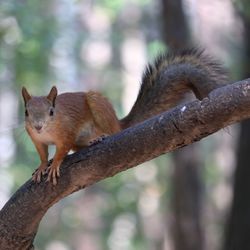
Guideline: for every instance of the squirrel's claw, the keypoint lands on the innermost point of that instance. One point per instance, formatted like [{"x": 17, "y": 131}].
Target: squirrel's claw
[
  {"x": 37, "y": 175},
  {"x": 53, "y": 174}
]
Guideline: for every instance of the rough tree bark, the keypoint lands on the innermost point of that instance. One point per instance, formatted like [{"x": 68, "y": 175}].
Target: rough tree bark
[{"x": 20, "y": 217}]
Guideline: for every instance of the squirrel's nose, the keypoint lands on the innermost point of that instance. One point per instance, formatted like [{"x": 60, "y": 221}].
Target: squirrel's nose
[{"x": 38, "y": 127}]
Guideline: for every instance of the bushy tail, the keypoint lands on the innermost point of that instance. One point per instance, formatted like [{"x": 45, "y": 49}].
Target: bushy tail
[{"x": 165, "y": 83}]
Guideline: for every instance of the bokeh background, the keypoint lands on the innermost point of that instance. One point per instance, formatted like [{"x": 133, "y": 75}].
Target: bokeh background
[{"x": 195, "y": 198}]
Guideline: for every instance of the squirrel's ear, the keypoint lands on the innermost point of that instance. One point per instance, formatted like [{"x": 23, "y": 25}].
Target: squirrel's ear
[
  {"x": 26, "y": 95},
  {"x": 52, "y": 95}
]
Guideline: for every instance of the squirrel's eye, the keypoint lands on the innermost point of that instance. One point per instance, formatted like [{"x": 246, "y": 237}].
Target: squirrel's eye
[
  {"x": 26, "y": 112},
  {"x": 51, "y": 112}
]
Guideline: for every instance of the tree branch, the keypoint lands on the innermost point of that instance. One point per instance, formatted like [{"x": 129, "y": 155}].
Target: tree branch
[{"x": 20, "y": 217}]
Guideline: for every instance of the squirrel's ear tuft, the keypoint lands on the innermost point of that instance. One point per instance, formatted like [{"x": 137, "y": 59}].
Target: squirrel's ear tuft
[
  {"x": 26, "y": 95},
  {"x": 52, "y": 95}
]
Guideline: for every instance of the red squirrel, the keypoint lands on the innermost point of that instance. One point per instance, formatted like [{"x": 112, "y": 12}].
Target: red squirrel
[{"x": 71, "y": 121}]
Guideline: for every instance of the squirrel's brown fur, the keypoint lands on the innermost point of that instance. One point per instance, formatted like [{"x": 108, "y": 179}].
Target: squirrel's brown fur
[{"x": 72, "y": 120}]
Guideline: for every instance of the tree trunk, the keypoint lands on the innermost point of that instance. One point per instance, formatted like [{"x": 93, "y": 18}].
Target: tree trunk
[
  {"x": 187, "y": 185},
  {"x": 238, "y": 228},
  {"x": 187, "y": 199},
  {"x": 175, "y": 27}
]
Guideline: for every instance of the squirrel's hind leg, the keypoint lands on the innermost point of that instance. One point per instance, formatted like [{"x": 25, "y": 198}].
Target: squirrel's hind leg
[{"x": 97, "y": 140}]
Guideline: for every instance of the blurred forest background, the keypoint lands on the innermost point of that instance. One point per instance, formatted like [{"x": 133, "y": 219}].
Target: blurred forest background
[{"x": 194, "y": 199}]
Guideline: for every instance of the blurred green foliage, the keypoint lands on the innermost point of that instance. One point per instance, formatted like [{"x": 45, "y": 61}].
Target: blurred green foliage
[
  {"x": 243, "y": 6},
  {"x": 30, "y": 33}
]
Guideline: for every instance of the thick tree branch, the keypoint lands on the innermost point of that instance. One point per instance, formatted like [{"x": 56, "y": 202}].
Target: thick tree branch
[{"x": 20, "y": 217}]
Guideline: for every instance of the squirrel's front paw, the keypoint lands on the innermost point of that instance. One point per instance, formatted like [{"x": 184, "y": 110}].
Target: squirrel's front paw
[
  {"x": 53, "y": 173},
  {"x": 41, "y": 170}
]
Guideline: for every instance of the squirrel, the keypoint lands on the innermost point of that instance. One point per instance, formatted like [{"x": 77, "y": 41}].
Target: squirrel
[{"x": 71, "y": 121}]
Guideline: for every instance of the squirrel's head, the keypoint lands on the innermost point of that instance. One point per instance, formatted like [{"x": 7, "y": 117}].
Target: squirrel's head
[{"x": 39, "y": 110}]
